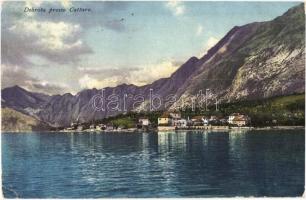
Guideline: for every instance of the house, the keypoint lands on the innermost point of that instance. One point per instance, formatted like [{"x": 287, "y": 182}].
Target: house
[
  {"x": 80, "y": 128},
  {"x": 120, "y": 127},
  {"x": 238, "y": 119},
  {"x": 197, "y": 120},
  {"x": 189, "y": 121},
  {"x": 175, "y": 115},
  {"x": 231, "y": 117},
  {"x": 205, "y": 121},
  {"x": 165, "y": 119},
  {"x": 180, "y": 123},
  {"x": 100, "y": 127},
  {"x": 143, "y": 121},
  {"x": 213, "y": 118},
  {"x": 92, "y": 127},
  {"x": 74, "y": 125}
]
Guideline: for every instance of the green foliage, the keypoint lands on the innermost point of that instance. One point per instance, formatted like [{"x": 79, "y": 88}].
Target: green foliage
[
  {"x": 130, "y": 119},
  {"x": 283, "y": 110},
  {"x": 126, "y": 122}
]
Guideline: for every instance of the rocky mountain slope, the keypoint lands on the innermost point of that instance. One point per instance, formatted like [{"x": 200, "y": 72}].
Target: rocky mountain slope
[
  {"x": 257, "y": 60},
  {"x": 14, "y": 121}
]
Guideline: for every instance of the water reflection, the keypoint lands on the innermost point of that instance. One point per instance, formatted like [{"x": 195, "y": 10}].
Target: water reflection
[{"x": 164, "y": 164}]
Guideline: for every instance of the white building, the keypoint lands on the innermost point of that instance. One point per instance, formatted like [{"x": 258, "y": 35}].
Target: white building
[
  {"x": 80, "y": 128},
  {"x": 182, "y": 123},
  {"x": 165, "y": 119},
  {"x": 197, "y": 120},
  {"x": 92, "y": 127},
  {"x": 205, "y": 121},
  {"x": 238, "y": 119},
  {"x": 100, "y": 127},
  {"x": 175, "y": 117},
  {"x": 144, "y": 121}
]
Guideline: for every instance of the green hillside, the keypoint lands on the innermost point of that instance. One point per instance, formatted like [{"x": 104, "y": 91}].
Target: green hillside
[{"x": 282, "y": 110}]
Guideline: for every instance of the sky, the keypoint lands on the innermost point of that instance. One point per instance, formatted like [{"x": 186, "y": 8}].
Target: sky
[{"x": 114, "y": 43}]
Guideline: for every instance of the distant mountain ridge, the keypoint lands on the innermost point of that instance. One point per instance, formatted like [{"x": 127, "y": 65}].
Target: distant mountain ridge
[{"x": 257, "y": 60}]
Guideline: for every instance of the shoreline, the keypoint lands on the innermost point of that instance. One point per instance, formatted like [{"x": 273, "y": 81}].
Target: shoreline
[
  {"x": 167, "y": 129},
  {"x": 219, "y": 128}
]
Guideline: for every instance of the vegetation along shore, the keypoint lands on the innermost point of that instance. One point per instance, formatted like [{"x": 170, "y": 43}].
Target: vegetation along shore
[{"x": 283, "y": 112}]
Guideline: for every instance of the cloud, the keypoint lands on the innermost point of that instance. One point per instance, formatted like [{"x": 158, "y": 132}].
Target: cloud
[
  {"x": 89, "y": 82},
  {"x": 56, "y": 41},
  {"x": 95, "y": 78},
  {"x": 199, "y": 30},
  {"x": 14, "y": 75},
  {"x": 98, "y": 77},
  {"x": 212, "y": 41},
  {"x": 106, "y": 72},
  {"x": 176, "y": 7},
  {"x": 149, "y": 73},
  {"x": 56, "y": 37},
  {"x": 46, "y": 87}
]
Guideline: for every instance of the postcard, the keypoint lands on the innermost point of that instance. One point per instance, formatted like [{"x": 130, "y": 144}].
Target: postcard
[{"x": 152, "y": 99}]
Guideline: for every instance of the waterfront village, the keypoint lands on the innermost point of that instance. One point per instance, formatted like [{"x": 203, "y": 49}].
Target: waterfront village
[{"x": 170, "y": 121}]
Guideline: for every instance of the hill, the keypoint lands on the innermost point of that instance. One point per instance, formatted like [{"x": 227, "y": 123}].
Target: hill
[{"x": 15, "y": 121}]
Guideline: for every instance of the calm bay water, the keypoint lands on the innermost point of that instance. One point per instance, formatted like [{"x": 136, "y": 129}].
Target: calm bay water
[{"x": 181, "y": 164}]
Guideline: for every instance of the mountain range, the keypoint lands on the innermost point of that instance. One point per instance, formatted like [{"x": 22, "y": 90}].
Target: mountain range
[{"x": 254, "y": 61}]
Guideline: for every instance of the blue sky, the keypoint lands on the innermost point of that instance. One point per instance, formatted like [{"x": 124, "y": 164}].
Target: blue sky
[{"x": 117, "y": 42}]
